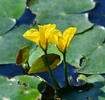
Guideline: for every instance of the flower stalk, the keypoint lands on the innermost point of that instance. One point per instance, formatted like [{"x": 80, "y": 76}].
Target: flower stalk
[
  {"x": 57, "y": 87},
  {"x": 65, "y": 70},
  {"x": 49, "y": 34}
]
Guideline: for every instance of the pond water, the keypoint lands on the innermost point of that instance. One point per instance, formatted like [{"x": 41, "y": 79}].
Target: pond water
[{"x": 10, "y": 70}]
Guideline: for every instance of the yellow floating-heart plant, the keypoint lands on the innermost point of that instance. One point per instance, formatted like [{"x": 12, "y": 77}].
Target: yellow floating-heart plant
[
  {"x": 40, "y": 37},
  {"x": 62, "y": 40},
  {"x": 48, "y": 34}
]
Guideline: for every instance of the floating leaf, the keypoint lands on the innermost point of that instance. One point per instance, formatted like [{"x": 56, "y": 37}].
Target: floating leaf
[
  {"x": 20, "y": 88},
  {"x": 22, "y": 55},
  {"x": 40, "y": 65},
  {"x": 11, "y": 8},
  {"x": 68, "y": 6},
  {"x": 6, "y": 24},
  {"x": 32, "y": 82},
  {"x": 10, "y": 43},
  {"x": 91, "y": 91},
  {"x": 64, "y": 13},
  {"x": 88, "y": 49}
]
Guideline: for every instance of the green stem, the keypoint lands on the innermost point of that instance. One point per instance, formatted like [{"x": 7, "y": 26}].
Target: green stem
[
  {"x": 65, "y": 70},
  {"x": 57, "y": 87}
]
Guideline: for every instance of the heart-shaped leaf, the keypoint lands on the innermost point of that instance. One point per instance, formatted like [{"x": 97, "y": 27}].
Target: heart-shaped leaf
[
  {"x": 11, "y": 8},
  {"x": 91, "y": 91},
  {"x": 88, "y": 50},
  {"x": 10, "y": 44},
  {"x": 64, "y": 13},
  {"x": 21, "y": 88},
  {"x": 6, "y": 24}
]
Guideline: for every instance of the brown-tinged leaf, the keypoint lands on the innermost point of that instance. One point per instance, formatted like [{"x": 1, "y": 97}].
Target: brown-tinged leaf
[{"x": 22, "y": 55}]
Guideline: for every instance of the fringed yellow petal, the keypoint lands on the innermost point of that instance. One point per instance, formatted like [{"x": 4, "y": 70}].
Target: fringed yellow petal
[
  {"x": 67, "y": 32},
  {"x": 48, "y": 34},
  {"x": 43, "y": 42},
  {"x": 61, "y": 44},
  {"x": 32, "y": 35},
  {"x": 45, "y": 31},
  {"x": 49, "y": 29},
  {"x": 53, "y": 38},
  {"x": 72, "y": 32}
]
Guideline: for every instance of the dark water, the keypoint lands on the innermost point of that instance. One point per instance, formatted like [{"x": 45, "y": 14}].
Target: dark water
[{"x": 96, "y": 16}]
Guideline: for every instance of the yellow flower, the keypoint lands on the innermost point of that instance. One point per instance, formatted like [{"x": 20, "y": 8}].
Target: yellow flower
[
  {"x": 40, "y": 37},
  {"x": 62, "y": 41}
]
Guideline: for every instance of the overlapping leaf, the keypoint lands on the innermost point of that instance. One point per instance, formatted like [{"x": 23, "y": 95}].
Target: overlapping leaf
[
  {"x": 61, "y": 12},
  {"x": 6, "y": 24},
  {"x": 37, "y": 52},
  {"x": 20, "y": 88},
  {"x": 90, "y": 47},
  {"x": 10, "y": 43},
  {"x": 11, "y": 8},
  {"x": 90, "y": 92},
  {"x": 9, "y": 11}
]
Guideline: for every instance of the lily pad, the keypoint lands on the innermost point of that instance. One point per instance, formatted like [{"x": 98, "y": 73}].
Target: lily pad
[
  {"x": 91, "y": 92},
  {"x": 61, "y": 12},
  {"x": 10, "y": 44},
  {"x": 32, "y": 82},
  {"x": 11, "y": 8},
  {"x": 70, "y": 20},
  {"x": 68, "y": 6},
  {"x": 6, "y": 24},
  {"x": 88, "y": 48},
  {"x": 21, "y": 87}
]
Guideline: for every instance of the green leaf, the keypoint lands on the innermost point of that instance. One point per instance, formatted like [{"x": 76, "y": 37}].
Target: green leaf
[
  {"x": 40, "y": 65},
  {"x": 37, "y": 52},
  {"x": 61, "y": 12},
  {"x": 90, "y": 92},
  {"x": 68, "y": 6},
  {"x": 10, "y": 44},
  {"x": 20, "y": 88},
  {"x": 101, "y": 98},
  {"x": 70, "y": 20},
  {"x": 6, "y": 24},
  {"x": 32, "y": 81},
  {"x": 11, "y": 8},
  {"x": 95, "y": 79},
  {"x": 22, "y": 55},
  {"x": 90, "y": 48}
]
